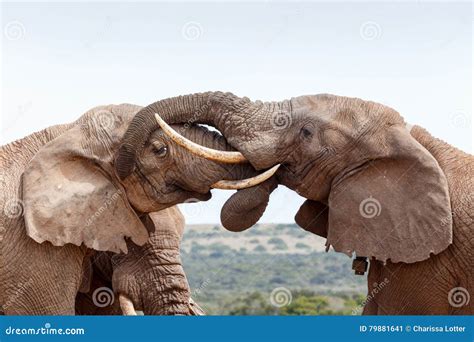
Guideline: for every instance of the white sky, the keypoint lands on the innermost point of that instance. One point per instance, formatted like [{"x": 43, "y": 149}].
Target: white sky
[{"x": 61, "y": 59}]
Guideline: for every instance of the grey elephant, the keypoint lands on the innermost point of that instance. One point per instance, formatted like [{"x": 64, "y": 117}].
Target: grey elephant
[
  {"x": 64, "y": 198},
  {"x": 376, "y": 188}
]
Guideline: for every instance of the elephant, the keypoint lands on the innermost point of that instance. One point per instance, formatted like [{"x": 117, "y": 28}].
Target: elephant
[
  {"x": 125, "y": 274},
  {"x": 65, "y": 199},
  {"x": 375, "y": 187}
]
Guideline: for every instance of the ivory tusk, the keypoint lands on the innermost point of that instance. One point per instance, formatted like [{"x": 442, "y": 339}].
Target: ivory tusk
[
  {"x": 245, "y": 183},
  {"x": 127, "y": 306},
  {"x": 195, "y": 309},
  {"x": 229, "y": 157}
]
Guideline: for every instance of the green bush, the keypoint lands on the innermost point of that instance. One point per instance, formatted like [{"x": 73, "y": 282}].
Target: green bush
[
  {"x": 278, "y": 244},
  {"x": 276, "y": 241},
  {"x": 303, "y": 302},
  {"x": 223, "y": 277}
]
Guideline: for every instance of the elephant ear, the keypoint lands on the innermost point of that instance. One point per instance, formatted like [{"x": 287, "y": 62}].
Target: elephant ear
[
  {"x": 396, "y": 207},
  {"x": 70, "y": 194}
]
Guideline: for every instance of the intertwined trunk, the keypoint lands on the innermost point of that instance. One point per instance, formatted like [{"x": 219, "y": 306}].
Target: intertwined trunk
[
  {"x": 167, "y": 291},
  {"x": 152, "y": 276},
  {"x": 247, "y": 125}
]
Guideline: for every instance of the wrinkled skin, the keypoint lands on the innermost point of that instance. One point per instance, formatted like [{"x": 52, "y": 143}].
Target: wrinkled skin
[
  {"x": 150, "y": 275},
  {"x": 62, "y": 200},
  {"x": 326, "y": 158},
  {"x": 375, "y": 188}
]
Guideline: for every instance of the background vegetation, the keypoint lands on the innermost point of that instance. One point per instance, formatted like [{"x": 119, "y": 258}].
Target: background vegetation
[{"x": 235, "y": 274}]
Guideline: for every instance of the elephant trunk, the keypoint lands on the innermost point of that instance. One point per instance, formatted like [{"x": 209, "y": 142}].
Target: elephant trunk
[
  {"x": 168, "y": 297},
  {"x": 166, "y": 291},
  {"x": 251, "y": 201},
  {"x": 206, "y": 108},
  {"x": 150, "y": 278},
  {"x": 257, "y": 131},
  {"x": 253, "y": 128}
]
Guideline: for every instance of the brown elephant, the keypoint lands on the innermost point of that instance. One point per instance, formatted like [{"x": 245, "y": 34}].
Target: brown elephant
[
  {"x": 376, "y": 188},
  {"x": 64, "y": 197}
]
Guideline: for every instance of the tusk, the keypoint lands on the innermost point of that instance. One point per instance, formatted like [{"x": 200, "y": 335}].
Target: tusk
[
  {"x": 228, "y": 157},
  {"x": 245, "y": 183},
  {"x": 127, "y": 306},
  {"x": 195, "y": 309}
]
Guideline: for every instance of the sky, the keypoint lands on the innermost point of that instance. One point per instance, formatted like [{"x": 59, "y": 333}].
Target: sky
[{"x": 60, "y": 59}]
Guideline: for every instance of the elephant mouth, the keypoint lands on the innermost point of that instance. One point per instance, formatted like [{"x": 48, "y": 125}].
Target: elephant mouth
[
  {"x": 174, "y": 192},
  {"x": 229, "y": 157}
]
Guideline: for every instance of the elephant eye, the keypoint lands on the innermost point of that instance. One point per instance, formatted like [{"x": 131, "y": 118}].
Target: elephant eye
[
  {"x": 160, "y": 151},
  {"x": 306, "y": 132}
]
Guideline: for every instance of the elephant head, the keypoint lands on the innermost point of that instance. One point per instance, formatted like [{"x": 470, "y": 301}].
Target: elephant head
[
  {"x": 372, "y": 188},
  {"x": 75, "y": 189}
]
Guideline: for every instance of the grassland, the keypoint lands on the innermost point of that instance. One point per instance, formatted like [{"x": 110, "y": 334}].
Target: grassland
[{"x": 236, "y": 273}]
